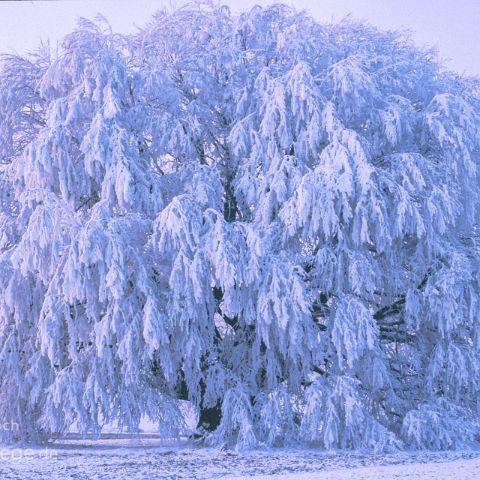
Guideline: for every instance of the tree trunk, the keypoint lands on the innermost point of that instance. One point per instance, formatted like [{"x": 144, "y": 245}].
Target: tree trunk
[{"x": 211, "y": 417}]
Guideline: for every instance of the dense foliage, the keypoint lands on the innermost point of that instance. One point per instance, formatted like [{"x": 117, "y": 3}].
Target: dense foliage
[{"x": 273, "y": 219}]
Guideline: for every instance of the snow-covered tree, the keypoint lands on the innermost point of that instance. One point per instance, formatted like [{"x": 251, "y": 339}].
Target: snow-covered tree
[{"x": 272, "y": 219}]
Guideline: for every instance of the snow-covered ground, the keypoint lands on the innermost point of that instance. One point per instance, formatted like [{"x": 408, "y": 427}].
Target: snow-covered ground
[
  {"x": 142, "y": 459},
  {"x": 451, "y": 470}
]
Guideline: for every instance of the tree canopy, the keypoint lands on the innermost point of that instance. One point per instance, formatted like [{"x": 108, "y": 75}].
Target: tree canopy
[{"x": 271, "y": 218}]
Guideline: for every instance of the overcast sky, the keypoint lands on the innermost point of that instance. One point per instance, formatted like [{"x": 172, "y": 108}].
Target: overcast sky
[{"x": 451, "y": 25}]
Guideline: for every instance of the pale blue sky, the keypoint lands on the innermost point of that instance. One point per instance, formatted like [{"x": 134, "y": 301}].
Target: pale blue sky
[{"x": 451, "y": 25}]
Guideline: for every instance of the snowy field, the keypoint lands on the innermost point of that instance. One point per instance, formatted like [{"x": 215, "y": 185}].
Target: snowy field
[{"x": 120, "y": 459}]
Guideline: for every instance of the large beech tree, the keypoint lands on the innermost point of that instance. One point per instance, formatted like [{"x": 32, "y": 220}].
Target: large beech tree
[{"x": 271, "y": 218}]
